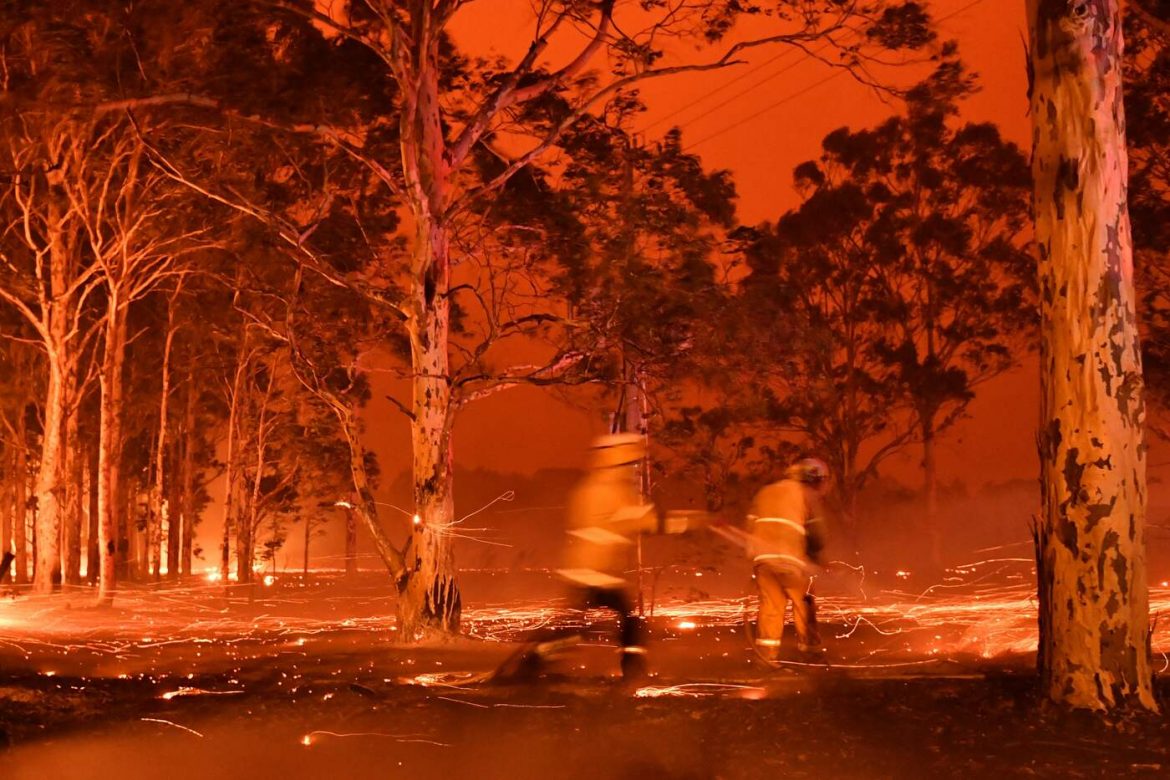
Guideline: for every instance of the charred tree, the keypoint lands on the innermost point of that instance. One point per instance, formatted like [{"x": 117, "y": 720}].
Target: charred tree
[{"x": 1094, "y": 612}]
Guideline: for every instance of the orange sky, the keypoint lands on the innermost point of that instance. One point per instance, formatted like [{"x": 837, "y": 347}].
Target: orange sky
[{"x": 525, "y": 429}]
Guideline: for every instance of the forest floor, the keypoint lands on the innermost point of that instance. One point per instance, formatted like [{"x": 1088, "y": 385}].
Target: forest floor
[{"x": 306, "y": 682}]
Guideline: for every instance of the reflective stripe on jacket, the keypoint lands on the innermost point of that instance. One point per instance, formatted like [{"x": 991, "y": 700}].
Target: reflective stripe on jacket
[
  {"x": 605, "y": 512},
  {"x": 782, "y": 518}
]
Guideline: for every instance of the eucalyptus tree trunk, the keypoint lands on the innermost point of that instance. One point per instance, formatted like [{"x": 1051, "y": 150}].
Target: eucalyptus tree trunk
[
  {"x": 1094, "y": 613},
  {"x": 110, "y": 448},
  {"x": 92, "y": 555},
  {"x": 930, "y": 489},
  {"x": 429, "y": 598},
  {"x": 48, "y": 487},
  {"x": 156, "y": 517},
  {"x": 187, "y": 491},
  {"x": 8, "y": 506},
  {"x": 72, "y": 517},
  {"x": 351, "y": 567},
  {"x": 20, "y": 508},
  {"x": 232, "y": 465},
  {"x": 366, "y": 507}
]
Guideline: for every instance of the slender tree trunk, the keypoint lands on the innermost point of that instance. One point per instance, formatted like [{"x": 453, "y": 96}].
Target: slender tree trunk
[
  {"x": 366, "y": 507},
  {"x": 187, "y": 499},
  {"x": 158, "y": 494},
  {"x": 8, "y": 506},
  {"x": 93, "y": 546},
  {"x": 71, "y": 522},
  {"x": 248, "y": 523},
  {"x": 930, "y": 490},
  {"x": 48, "y": 487},
  {"x": 20, "y": 508},
  {"x": 305, "y": 561},
  {"x": 232, "y": 458},
  {"x": 1094, "y": 611},
  {"x": 110, "y": 449},
  {"x": 351, "y": 567}
]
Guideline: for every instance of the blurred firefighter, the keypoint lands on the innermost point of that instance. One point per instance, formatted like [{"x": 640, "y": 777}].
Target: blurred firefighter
[
  {"x": 605, "y": 515},
  {"x": 787, "y": 535}
]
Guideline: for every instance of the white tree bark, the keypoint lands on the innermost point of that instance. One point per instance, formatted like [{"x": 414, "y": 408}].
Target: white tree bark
[
  {"x": 158, "y": 493},
  {"x": 1094, "y": 611},
  {"x": 110, "y": 447}
]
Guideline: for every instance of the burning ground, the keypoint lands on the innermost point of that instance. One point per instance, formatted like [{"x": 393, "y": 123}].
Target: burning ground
[{"x": 291, "y": 681}]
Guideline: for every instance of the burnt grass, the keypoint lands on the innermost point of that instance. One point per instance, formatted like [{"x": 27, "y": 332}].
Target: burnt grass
[{"x": 806, "y": 724}]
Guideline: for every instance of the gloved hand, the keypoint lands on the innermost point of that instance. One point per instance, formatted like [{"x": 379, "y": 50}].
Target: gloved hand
[{"x": 678, "y": 521}]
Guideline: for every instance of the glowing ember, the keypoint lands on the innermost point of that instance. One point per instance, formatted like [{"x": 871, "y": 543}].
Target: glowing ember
[{"x": 697, "y": 690}]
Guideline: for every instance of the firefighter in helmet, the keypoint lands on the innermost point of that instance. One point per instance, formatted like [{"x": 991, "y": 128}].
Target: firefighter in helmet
[
  {"x": 787, "y": 533},
  {"x": 605, "y": 515}
]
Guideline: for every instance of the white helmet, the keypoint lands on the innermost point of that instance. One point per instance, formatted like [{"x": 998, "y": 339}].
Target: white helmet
[{"x": 618, "y": 449}]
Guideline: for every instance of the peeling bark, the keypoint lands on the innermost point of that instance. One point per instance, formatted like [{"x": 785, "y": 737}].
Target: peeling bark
[
  {"x": 429, "y": 598},
  {"x": 1094, "y": 611}
]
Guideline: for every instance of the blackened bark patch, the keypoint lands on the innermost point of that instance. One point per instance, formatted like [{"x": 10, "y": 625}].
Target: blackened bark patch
[
  {"x": 1048, "y": 15},
  {"x": 1067, "y": 176},
  {"x": 1050, "y": 441},
  {"x": 1121, "y": 571},
  {"x": 1095, "y": 513},
  {"x": 1113, "y": 646},
  {"x": 1066, "y": 531},
  {"x": 1129, "y": 397},
  {"x": 1074, "y": 473},
  {"x": 429, "y": 286},
  {"x": 1112, "y": 605}
]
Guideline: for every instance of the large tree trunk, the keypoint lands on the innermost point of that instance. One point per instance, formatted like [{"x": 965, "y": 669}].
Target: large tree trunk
[
  {"x": 48, "y": 487},
  {"x": 429, "y": 598},
  {"x": 110, "y": 449},
  {"x": 1094, "y": 612}
]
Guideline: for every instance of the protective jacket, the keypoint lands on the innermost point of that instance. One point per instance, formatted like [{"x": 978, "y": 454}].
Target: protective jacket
[
  {"x": 786, "y": 524},
  {"x": 605, "y": 513}
]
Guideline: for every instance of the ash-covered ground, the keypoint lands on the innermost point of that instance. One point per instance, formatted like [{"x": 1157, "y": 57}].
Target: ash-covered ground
[{"x": 305, "y": 681}]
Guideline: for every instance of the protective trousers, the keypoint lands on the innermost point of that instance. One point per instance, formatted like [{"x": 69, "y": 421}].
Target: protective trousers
[
  {"x": 630, "y": 630},
  {"x": 777, "y": 587}
]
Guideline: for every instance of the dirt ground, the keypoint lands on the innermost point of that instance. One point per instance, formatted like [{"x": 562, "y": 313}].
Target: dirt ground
[{"x": 300, "y": 684}]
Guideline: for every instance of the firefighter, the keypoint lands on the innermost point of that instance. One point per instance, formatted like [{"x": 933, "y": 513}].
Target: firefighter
[
  {"x": 605, "y": 514},
  {"x": 787, "y": 534}
]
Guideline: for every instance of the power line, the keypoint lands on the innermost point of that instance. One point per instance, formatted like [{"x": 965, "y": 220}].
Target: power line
[
  {"x": 766, "y": 109},
  {"x": 784, "y": 53},
  {"x": 762, "y": 81},
  {"x": 793, "y": 95}
]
